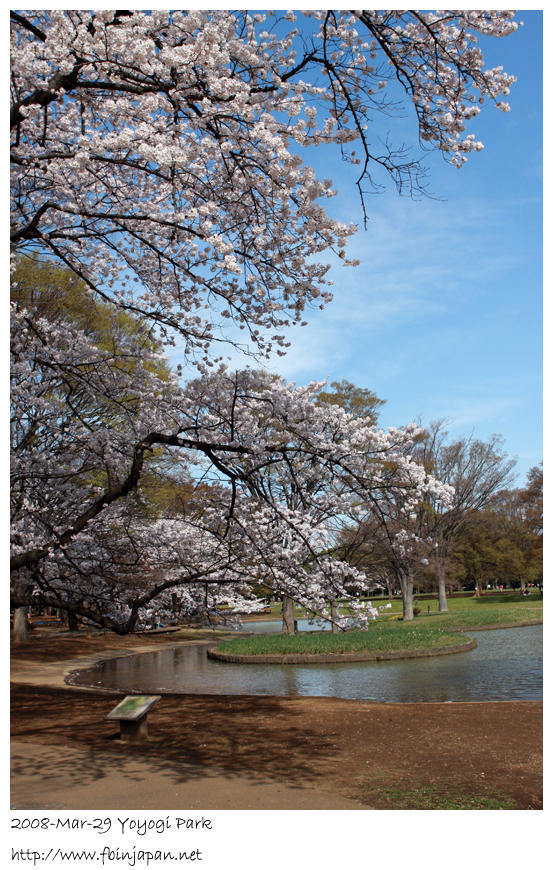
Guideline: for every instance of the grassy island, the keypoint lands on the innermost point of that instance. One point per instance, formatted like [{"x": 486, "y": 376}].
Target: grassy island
[{"x": 325, "y": 643}]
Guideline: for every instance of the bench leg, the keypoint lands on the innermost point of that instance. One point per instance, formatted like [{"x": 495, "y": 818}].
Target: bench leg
[{"x": 134, "y": 732}]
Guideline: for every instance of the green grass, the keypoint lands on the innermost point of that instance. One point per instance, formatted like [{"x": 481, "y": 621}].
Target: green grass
[
  {"x": 486, "y": 601},
  {"x": 378, "y": 639},
  {"x": 502, "y": 602},
  {"x": 410, "y": 794},
  {"x": 463, "y": 619},
  {"x": 477, "y": 616}
]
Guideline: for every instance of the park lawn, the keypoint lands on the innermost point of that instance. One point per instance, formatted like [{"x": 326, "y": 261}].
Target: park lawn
[
  {"x": 505, "y": 601},
  {"x": 478, "y": 617},
  {"x": 379, "y": 639},
  {"x": 459, "y": 605},
  {"x": 515, "y": 608},
  {"x": 468, "y": 612}
]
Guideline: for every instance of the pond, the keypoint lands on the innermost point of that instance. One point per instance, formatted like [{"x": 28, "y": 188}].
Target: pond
[
  {"x": 273, "y": 626},
  {"x": 507, "y": 665}
]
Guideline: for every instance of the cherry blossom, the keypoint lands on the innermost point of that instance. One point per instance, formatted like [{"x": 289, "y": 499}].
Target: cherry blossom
[
  {"x": 151, "y": 150},
  {"x": 267, "y": 473},
  {"x": 155, "y": 155}
]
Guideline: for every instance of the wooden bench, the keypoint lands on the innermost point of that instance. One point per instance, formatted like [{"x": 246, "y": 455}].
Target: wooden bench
[
  {"x": 45, "y": 620},
  {"x": 132, "y": 715}
]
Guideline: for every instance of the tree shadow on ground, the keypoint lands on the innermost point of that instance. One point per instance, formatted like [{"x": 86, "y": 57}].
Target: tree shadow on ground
[
  {"x": 493, "y": 748},
  {"x": 236, "y": 734}
]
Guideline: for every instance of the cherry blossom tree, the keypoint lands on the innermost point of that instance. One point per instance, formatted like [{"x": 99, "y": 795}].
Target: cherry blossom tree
[
  {"x": 390, "y": 526},
  {"x": 151, "y": 151},
  {"x": 400, "y": 536},
  {"x": 154, "y": 156},
  {"x": 248, "y": 440}
]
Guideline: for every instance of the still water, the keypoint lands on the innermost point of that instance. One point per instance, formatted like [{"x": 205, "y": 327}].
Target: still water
[
  {"x": 507, "y": 665},
  {"x": 273, "y": 626}
]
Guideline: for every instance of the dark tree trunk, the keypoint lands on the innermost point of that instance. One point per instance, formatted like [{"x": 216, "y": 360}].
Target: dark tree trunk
[
  {"x": 21, "y": 613},
  {"x": 21, "y": 625},
  {"x": 176, "y": 604},
  {"x": 287, "y": 615},
  {"x": 72, "y": 622}
]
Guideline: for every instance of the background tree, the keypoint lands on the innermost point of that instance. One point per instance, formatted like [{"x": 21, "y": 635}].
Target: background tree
[
  {"x": 55, "y": 293},
  {"x": 389, "y": 529},
  {"x": 478, "y": 551},
  {"x": 531, "y": 498},
  {"x": 428, "y": 533},
  {"x": 520, "y": 515},
  {"x": 357, "y": 401},
  {"x": 362, "y": 545},
  {"x": 360, "y": 403},
  {"x": 503, "y": 542},
  {"x": 476, "y": 470}
]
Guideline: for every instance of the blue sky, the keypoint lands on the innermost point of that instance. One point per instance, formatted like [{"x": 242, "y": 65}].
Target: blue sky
[{"x": 443, "y": 318}]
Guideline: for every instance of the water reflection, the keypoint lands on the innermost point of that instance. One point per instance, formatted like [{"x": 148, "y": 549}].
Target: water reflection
[
  {"x": 507, "y": 665},
  {"x": 273, "y": 626}
]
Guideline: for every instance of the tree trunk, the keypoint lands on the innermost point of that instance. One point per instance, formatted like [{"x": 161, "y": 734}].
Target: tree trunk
[
  {"x": 287, "y": 615},
  {"x": 21, "y": 625},
  {"x": 442, "y": 595},
  {"x": 478, "y": 589},
  {"x": 406, "y": 582},
  {"x": 333, "y": 616},
  {"x": 72, "y": 622}
]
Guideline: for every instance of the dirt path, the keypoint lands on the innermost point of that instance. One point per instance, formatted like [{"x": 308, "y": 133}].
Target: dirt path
[{"x": 356, "y": 754}]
